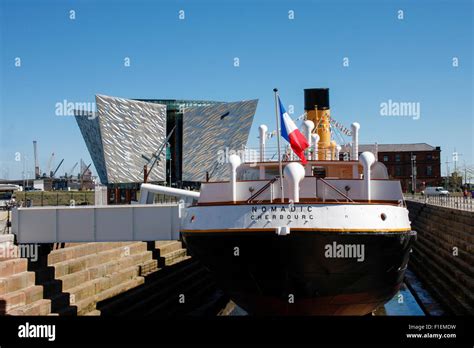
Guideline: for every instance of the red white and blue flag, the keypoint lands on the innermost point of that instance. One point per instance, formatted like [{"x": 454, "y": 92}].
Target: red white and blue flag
[{"x": 291, "y": 134}]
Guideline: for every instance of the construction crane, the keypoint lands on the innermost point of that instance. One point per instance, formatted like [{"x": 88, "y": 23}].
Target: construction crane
[
  {"x": 85, "y": 170},
  {"x": 71, "y": 171},
  {"x": 57, "y": 168},
  {"x": 82, "y": 166},
  {"x": 82, "y": 175},
  {"x": 37, "y": 168},
  {"x": 50, "y": 162}
]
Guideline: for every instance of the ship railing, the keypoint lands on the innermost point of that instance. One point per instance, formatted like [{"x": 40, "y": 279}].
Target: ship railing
[
  {"x": 270, "y": 154},
  {"x": 262, "y": 189},
  {"x": 348, "y": 199}
]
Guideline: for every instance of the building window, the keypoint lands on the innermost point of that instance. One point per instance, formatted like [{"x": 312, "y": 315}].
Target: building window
[
  {"x": 429, "y": 157},
  {"x": 429, "y": 170},
  {"x": 398, "y": 171},
  {"x": 385, "y": 158},
  {"x": 397, "y": 157}
]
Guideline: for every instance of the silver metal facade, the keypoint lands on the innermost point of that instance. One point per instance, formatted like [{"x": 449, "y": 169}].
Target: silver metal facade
[
  {"x": 90, "y": 129},
  {"x": 122, "y": 130},
  {"x": 130, "y": 129},
  {"x": 210, "y": 133},
  {"x": 119, "y": 133}
]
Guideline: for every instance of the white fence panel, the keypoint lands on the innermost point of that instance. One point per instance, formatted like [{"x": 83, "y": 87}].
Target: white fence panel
[{"x": 96, "y": 223}]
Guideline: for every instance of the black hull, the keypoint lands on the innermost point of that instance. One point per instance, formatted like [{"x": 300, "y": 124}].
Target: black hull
[{"x": 291, "y": 275}]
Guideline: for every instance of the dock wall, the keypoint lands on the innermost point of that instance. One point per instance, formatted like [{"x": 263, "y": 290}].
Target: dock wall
[{"x": 443, "y": 255}]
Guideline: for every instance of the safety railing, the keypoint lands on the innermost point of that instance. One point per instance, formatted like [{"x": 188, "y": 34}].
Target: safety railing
[
  {"x": 261, "y": 190},
  {"x": 270, "y": 154},
  {"x": 348, "y": 199},
  {"x": 455, "y": 202}
]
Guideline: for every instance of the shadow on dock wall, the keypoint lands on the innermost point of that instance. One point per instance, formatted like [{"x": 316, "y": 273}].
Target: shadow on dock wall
[
  {"x": 52, "y": 288},
  {"x": 184, "y": 288},
  {"x": 3, "y": 307}
]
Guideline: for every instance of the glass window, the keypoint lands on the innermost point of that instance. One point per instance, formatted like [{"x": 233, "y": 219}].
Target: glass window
[
  {"x": 429, "y": 157},
  {"x": 397, "y": 157},
  {"x": 398, "y": 171},
  {"x": 5, "y": 195},
  {"x": 429, "y": 170},
  {"x": 385, "y": 158}
]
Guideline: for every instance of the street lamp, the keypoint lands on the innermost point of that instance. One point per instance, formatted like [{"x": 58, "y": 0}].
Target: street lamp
[
  {"x": 168, "y": 154},
  {"x": 413, "y": 173}
]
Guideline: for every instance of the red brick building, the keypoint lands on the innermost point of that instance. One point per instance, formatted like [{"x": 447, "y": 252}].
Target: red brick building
[{"x": 398, "y": 160}]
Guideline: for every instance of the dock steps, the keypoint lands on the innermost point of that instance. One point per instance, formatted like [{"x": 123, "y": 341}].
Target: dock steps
[{"x": 72, "y": 279}]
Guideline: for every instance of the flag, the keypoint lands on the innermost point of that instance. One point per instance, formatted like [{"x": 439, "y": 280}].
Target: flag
[{"x": 291, "y": 134}]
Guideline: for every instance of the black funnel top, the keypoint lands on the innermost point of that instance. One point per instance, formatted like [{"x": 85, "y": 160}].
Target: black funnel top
[{"x": 316, "y": 96}]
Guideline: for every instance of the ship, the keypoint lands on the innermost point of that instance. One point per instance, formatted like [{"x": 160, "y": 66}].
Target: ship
[{"x": 330, "y": 237}]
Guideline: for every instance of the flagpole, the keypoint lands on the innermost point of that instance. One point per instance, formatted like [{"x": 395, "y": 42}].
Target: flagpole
[{"x": 277, "y": 114}]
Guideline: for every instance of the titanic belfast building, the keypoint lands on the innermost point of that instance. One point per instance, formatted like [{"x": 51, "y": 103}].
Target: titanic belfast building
[{"x": 175, "y": 141}]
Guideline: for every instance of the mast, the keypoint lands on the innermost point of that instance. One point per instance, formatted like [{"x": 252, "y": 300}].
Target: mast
[{"x": 277, "y": 114}]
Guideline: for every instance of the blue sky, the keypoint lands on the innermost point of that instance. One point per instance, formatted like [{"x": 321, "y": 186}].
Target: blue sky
[{"x": 409, "y": 60}]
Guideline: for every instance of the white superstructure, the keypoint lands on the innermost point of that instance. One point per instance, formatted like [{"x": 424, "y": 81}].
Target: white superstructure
[{"x": 324, "y": 195}]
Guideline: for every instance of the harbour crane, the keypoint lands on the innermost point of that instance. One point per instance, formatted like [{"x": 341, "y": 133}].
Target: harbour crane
[
  {"x": 50, "y": 162},
  {"x": 37, "y": 168},
  {"x": 82, "y": 174},
  {"x": 57, "y": 168},
  {"x": 71, "y": 171},
  {"x": 85, "y": 170}
]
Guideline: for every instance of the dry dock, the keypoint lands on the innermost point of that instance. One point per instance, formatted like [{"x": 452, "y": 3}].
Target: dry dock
[{"x": 160, "y": 279}]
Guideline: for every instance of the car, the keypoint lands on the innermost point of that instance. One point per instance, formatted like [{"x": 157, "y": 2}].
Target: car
[
  {"x": 6, "y": 193},
  {"x": 31, "y": 189},
  {"x": 436, "y": 191}
]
